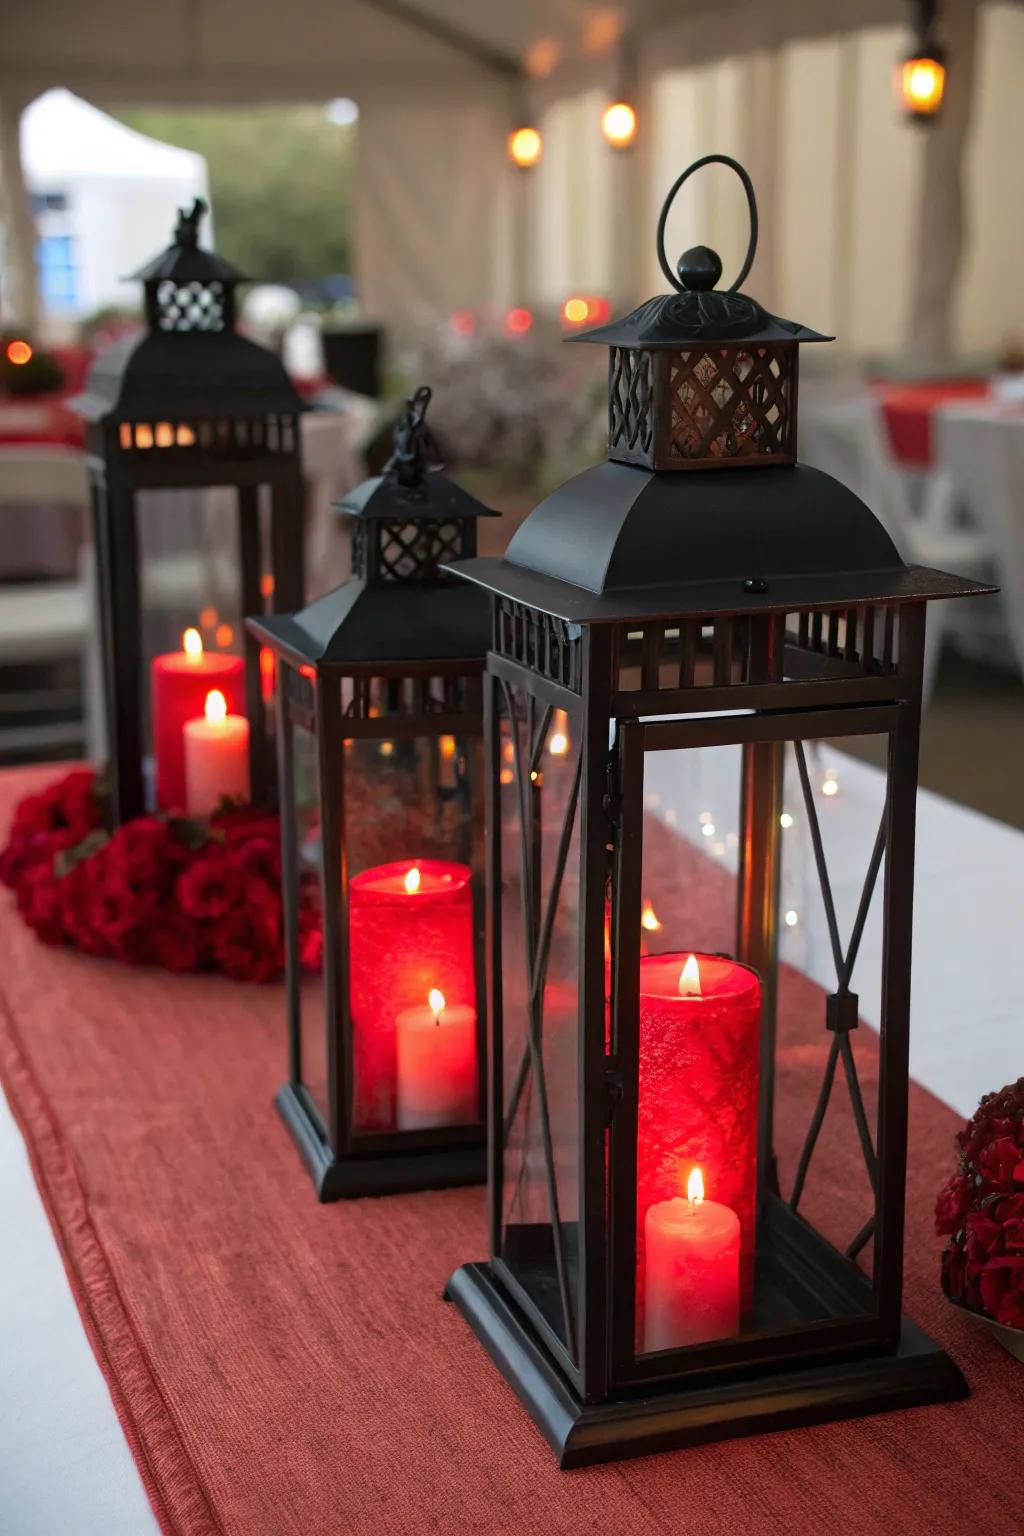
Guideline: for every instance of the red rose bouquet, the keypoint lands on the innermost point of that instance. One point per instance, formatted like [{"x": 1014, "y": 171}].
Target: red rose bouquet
[
  {"x": 981, "y": 1210},
  {"x": 184, "y": 895}
]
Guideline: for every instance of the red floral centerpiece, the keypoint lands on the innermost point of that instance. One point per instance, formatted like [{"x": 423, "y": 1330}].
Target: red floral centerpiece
[
  {"x": 186, "y": 895},
  {"x": 980, "y": 1209}
]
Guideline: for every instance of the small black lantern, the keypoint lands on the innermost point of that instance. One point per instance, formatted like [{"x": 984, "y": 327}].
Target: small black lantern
[
  {"x": 381, "y": 773},
  {"x": 704, "y": 635},
  {"x": 188, "y": 404}
]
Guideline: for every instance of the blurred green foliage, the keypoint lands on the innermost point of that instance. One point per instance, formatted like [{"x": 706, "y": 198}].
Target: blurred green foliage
[{"x": 280, "y": 183}]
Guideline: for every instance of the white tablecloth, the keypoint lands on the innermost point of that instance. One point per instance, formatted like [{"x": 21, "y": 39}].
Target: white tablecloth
[{"x": 65, "y": 1469}]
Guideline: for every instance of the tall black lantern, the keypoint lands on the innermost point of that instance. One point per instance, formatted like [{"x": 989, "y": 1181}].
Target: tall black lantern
[
  {"x": 685, "y": 1243},
  {"x": 381, "y": 775},
  {"x": 187, "y": 404}
]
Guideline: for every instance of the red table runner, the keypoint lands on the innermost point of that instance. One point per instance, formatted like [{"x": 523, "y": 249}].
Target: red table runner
[
  {"x": 288, "y": 1369},
  {"x": 908, "y": 410}
]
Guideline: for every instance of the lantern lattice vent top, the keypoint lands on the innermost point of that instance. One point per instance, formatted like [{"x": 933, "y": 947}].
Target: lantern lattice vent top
[{"x": 190, "y": 306}]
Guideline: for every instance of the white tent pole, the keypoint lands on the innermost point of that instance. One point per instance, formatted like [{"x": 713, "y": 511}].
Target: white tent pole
[
  {"x": 941, "y": 221},
  {"x": 19, "y": 302}
]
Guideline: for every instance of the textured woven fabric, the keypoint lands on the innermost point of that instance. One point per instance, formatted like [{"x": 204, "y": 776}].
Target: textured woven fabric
[{"x": 288, "y": 1369}]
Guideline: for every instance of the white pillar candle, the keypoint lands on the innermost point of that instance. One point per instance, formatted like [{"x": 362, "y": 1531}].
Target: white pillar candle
[
  {"x": 692, "y": 1271},
  {"x": 437, "y": 1075},
  {"x": 216, "y": 757}
]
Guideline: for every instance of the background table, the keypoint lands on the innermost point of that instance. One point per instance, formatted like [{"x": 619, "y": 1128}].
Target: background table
[{"x": 64, "y": 1466}]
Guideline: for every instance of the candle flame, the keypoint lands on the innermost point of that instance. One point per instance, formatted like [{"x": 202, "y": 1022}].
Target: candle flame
[
  {"x": 559, "y": 744},
  {"x": 689, "y": 979},
  {"x": 192, "y": 643},
  {"x": 412, "y": 885},
  {"x": 436, "y": 1001},
  {"x": 649, "y": 919},
  {"x": 695, "y": 1187},
  {"x": 216, "y": 707}
]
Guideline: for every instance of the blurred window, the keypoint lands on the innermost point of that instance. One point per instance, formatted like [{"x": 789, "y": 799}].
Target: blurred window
[{"x": 58, "y": 273}]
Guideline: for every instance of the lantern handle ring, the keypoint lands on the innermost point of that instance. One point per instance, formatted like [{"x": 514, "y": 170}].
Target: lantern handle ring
[{"x": 748, "y": 187}]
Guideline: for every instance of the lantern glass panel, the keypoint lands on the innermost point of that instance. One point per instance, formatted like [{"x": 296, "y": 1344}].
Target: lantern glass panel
[
  {"x": 755, "y": 1247},
  {"x": 412, "y": 809},
  {"x": 307, "y": 897},
  {"x": 538, "y": 812}
]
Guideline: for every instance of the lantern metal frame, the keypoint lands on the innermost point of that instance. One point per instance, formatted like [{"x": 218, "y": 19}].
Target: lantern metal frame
[
  {"x": 188, "y": 404},
  {"x": 765, "y": 609},
  {"x": 394, "y": 654}
]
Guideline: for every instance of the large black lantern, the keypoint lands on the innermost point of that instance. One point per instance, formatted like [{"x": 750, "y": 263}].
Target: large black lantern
[
  {"x": 381, "y": 776},
  {"x": 689, "y": 1239},
  {"x": 187, "y": 404}
]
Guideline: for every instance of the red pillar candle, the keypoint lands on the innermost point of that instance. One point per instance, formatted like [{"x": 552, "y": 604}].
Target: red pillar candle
[
  {"x": 699, "y": 1065},
  {"x": 692, "y": 1270},
  {"x": 179, "y": 682},
  {"x": 410, "y": 931}
]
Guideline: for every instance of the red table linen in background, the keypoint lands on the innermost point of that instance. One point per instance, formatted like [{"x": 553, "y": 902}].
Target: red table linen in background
[
  {"x": 283, "y": 1368},
  {"x": 908, "y": 412}
]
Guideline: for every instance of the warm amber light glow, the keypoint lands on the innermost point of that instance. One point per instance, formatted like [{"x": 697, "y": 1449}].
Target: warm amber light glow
[
  {"x": 559, "y": 744},
  {"x": 618, "y": 124},
  {"x": 922, "y": 85},
  {"x": 525, "y": 147},
  {"x": 19, "y": 352},
  {"x": 216, "y": 707},
  {"x": 542, "y": 57},
  {"x": 412, "y": 880},
  {"x": 689, "y": 979},
  {"x": 695, "y": 1187},
  {"x": 649, "y": 919},
  {"x": 192, "y": 643},
  {"x": 575, "y": 311},
  {"x": 387, "y": 749},
  {"x": 164, "y": 434},
  {"x": 224, "y": 636},
  {"x": 266, "y": 584},
  {"x": 447, "y": 748},
  {"x": 436, "y": 1001},
  {"x": 143, "y": 436},
  {"x": 207, "y": 618},
  {"x": 185, "y": 437},
  {"x": 506, "y": 776}
]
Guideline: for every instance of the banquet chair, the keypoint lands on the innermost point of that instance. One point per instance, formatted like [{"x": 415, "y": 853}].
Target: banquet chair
[
  {"x": 844, "y": 435},
  {"x": 43, "y": 610}
]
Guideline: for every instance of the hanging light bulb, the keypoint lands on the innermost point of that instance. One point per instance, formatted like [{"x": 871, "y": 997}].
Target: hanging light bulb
[
  {"x": 618, "y": 124},
  {"x": 921, "y": 76},
  {"x": 525, "y": 147}
]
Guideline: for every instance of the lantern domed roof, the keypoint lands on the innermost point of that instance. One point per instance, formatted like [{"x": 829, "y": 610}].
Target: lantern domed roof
[
  {"x": 189, "y": 361},
  {"x": 617, "y": 542},
  {"x": 676, "y": 320}
]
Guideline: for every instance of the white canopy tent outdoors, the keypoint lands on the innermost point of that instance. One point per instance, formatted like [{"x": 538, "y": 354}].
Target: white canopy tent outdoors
[
  {"x": 891, "y": 235},
  {"x": 109, "y": 190}
]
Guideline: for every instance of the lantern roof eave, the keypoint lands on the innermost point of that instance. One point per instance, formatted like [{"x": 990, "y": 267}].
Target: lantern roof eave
[
  {"x": 156, "y": 375},
  {"x": 665, "y": 603},
  {"x": 435, "y": 499},
  {"x": 387, "y": 624}
]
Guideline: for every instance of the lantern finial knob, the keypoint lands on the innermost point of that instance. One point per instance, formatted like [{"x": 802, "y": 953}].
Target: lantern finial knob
[
  {"x": 186, "y": 231},
  {"x": 413, "y": 443},
  {"x": 699, "y": 269}
]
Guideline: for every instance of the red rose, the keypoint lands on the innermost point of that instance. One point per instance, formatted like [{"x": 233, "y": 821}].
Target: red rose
[
  {"x": 311, "y": 949},
  {"x": 260, "y": 856},
  {"x": 247, "y": 944},
  {"x": 211, "y": 886},
  {"x": 39, "y": 901},
  {"x": 238, "y": 822},
  {"x": 80, "y": 810},
  {"x": 146, "y": 853},
  {"x": 75, "y": 890},
  {"x": 177, "y": 942},
  {"x": 952, "y": 1204},
  {"x": 1000, "y": 1162},
  {"x": 120, "y": 916}
]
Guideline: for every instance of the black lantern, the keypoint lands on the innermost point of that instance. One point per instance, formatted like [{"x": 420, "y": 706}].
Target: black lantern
[
  {"x": 921, "y": 74},
  {"x": 381, "y": 775},
  {"x": 684, "y": 1244},
  {"x": 187, "y": 404}
]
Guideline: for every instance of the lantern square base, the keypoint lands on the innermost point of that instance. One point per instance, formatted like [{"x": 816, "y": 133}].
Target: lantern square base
[
  {"x": 383, "y": 1173},
  {"x": 662, "y": 1419}
]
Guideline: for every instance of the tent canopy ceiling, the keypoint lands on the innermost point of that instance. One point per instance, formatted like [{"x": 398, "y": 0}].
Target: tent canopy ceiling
[{"x": 234, "y": 50}]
